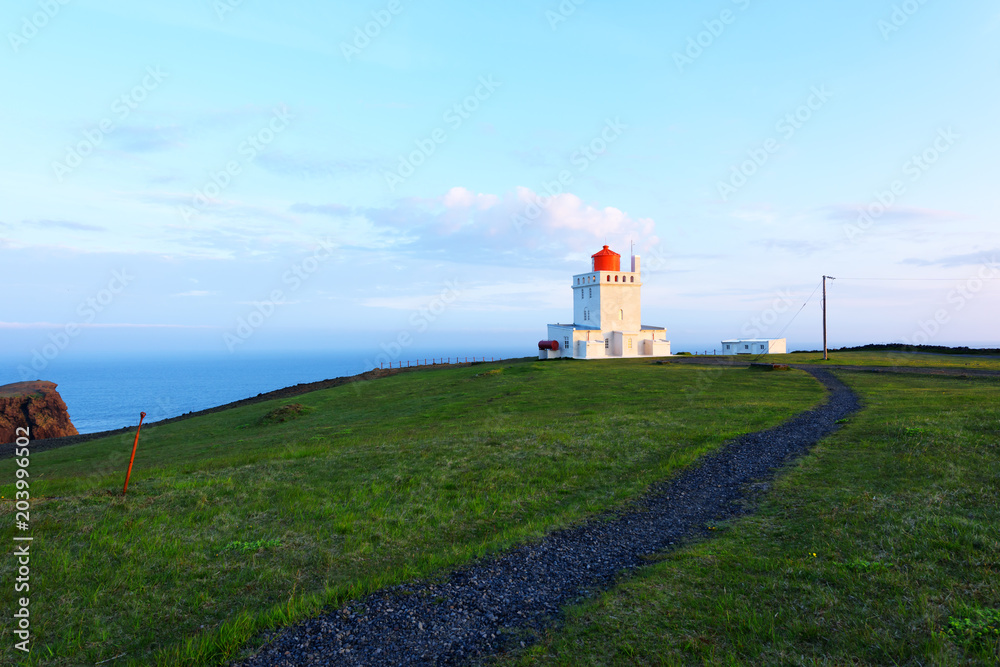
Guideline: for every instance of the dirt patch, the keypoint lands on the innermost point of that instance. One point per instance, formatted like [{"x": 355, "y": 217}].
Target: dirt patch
[{"x": 284, "y": 413}]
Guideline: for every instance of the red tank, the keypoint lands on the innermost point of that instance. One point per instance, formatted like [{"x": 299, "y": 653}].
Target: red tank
[
  {"x": 548, "y": 345},
  {"x": 607, "y": 260}
]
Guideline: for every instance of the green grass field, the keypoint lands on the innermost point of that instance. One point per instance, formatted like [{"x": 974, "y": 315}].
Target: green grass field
[
  {"x": 257, "y": 516},
  {"x": 885, "y": 359},
  {"x": 881, "y": 547}
]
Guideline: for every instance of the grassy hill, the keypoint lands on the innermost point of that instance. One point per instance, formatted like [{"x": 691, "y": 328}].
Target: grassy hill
[
  {"x": 256, "y": 516},
  {"x": 880, "y": 548},
  {"x": 888, "y": 359}
]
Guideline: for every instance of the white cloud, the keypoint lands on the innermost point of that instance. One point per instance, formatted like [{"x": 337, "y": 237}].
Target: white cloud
[
  {"x": 492, "y": 297},
  {"x": 518, "y": 226},
  {"x": 461, "y": 198}
]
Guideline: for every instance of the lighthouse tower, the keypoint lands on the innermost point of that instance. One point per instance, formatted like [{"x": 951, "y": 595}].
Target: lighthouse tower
[{"x": 607, "y": 310}]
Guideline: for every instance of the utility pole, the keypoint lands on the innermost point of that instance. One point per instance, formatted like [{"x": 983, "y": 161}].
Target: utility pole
[{"x": 826, "y": 355}]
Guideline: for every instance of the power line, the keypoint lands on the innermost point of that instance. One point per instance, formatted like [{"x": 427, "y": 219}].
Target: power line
[
  {"x": 785, "y": 328},
  {"x": 806, "y": 303}
]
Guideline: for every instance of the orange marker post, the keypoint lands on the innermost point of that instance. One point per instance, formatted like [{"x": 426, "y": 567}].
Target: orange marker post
[{"x": 142, "y": 415}]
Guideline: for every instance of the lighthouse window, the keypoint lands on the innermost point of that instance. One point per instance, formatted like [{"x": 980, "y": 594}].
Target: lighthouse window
[
  {"x": 566, "y": 341},
  {"x": 607, "y": 343},
  {"x": 616, "y": 278},
  {"x": 609, "y": 279},
  {"x": 581, "y": 294},
  {"x": 590, "y": 292},
  {"x": 631, "y": 279},
  {"x": 630, "y": 343}
]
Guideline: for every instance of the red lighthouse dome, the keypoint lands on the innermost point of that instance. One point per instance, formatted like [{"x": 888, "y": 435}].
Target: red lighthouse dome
[{"x": 607, "y": 260}]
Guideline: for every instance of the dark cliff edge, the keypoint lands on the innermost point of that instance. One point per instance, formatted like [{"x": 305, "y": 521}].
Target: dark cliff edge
[{"x": 36, "y": 406}]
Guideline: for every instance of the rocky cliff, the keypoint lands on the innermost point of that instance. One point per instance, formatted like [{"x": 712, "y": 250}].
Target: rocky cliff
[{"x": 36, "y": 405}]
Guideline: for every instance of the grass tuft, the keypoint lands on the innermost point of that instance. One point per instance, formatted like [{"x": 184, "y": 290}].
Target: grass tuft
[
  {"x": 256, "y": 545},
  {"x": 982, "y": 626}
]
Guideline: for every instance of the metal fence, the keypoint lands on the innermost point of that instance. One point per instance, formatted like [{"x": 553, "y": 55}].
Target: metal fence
[{"x": 438, "y": 361}]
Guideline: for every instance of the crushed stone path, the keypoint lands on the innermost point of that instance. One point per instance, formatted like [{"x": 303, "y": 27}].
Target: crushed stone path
[{"x": 493, "y": 604}]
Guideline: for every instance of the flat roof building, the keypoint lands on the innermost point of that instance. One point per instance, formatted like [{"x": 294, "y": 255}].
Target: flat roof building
[{"x": 755, "y": 346}]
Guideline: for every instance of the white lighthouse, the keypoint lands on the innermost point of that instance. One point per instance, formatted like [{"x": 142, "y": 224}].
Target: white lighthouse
[{"x": 606, "y": 316}]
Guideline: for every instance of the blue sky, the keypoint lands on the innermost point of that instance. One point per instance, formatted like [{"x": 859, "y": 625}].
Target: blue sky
[{"x": 229, "y": 176}]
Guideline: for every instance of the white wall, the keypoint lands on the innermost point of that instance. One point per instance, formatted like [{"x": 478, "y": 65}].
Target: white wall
[
  {"x": 620, "y": 302},
  {"x": 586, "y": 299}
]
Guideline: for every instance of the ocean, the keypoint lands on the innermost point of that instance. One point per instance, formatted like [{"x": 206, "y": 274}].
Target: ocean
[{"x": 104, "y": 393}]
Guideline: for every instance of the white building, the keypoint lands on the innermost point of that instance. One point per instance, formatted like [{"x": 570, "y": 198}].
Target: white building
[
  {"x": 606, "y": 316},
  {"x": 755, "y": 346}
]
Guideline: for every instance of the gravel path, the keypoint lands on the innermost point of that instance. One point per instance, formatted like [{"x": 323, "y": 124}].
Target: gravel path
[{"x": 492, "y": 605}]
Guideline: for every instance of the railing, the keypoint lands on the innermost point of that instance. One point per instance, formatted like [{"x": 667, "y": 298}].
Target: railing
[{"x": 437, "y": 361}]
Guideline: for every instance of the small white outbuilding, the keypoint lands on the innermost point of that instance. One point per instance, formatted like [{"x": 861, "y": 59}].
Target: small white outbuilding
[{"x": 755, "y": 346}]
